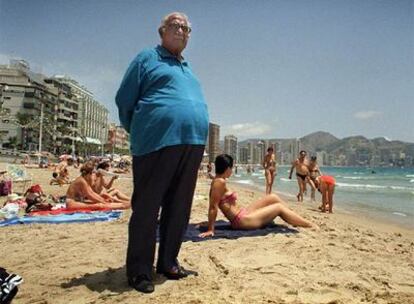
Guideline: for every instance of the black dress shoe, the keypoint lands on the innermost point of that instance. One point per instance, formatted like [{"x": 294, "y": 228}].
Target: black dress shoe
[
  {"x": 141, "y": 283},
  {"x": 177, "y": 273}
]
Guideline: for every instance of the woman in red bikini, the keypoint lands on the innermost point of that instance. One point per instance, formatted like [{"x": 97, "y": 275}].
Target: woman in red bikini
[
  {"x": 326, "y": 186},
  {"x": 256, "y": 215}
]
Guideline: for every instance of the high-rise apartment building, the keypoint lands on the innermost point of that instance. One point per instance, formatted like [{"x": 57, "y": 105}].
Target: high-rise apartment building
[
  {"x": 259, "y": 152},
  {"x": 295, "y": 148},
  {"x": 230, "y": 146},
  {"x": 67, "y": 108},
  {"x": 50, "y": 114},
  {"x": 243, "y": 157},
  {"x": 213, "y": 141},
  {"x": 28, "y": 108},
  {"x": 93, "y": 116}
]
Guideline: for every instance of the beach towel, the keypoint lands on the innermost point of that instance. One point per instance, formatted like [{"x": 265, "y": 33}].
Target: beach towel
[
  {"x": 66, "y": 211},
  {"x": 74, "y": 217},
  {"x": 223, "y": 230}
]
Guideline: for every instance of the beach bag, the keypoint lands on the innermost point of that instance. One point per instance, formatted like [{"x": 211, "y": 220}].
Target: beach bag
[
  {"x": 36, "y": 189},
  {"x": 5, "y": 187},
  {"x": 8, "y": 286}
]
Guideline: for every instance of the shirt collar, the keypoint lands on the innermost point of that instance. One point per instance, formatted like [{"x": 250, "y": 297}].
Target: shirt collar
[{"x": 163, "y": 52}]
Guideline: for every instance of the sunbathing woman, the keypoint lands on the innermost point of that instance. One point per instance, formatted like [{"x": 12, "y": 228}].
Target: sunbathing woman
[
  {"x": 81, "y": 196},
  {"x": 256, "y": 215}
]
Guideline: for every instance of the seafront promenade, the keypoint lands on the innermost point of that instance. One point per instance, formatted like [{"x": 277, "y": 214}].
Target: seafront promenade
[{"x": 350, "y": 259}]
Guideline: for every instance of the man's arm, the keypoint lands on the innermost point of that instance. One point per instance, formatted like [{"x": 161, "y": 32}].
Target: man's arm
[
  {"x": 90, "y": 194},
  {"x": 319, "y": 170},
  {"x": 128, "y": 94},
  {"x": 216, "y": 194},
  {"x": 109, "y": 184}
]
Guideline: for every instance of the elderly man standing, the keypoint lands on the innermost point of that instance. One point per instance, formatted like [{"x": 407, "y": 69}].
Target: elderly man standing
[{"x": 161, "y": 105}]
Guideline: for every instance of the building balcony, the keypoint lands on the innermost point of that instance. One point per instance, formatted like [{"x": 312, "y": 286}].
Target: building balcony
[
  {"x": 65, "y": 117},
  {"x": 68, "y": 109},
  {"x": 63, "y": 98}
]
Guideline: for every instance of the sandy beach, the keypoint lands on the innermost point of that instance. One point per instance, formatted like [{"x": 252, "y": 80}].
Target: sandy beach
[{"x": 349, "y": 260}]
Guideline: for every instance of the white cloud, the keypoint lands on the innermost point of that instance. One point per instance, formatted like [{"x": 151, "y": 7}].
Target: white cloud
[
  {"x": 248, "y": 129},
  {"x": 363, "y": 115},
  {"x": 4, "y": 58}
]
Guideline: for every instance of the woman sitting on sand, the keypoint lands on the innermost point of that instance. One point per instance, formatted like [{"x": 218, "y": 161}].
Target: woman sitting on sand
[
  {"x": 326, "y": 186},
  {"x": 104, "y": 188},
  {"x": 256, "y": 215},
  {"x": 81, "y": 196}
]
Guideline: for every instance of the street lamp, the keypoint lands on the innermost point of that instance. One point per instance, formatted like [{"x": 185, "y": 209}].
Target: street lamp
[
  {"x": 103, "y": 139},
  {"x": 113, "y": 138}
]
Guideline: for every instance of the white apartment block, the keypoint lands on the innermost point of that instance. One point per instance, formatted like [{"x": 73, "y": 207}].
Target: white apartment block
[{"x": 230, "y": 146}]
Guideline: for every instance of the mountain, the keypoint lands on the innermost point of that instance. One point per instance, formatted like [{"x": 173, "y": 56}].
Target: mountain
[
  {"x": 318, "y": 141},
  {"x": 353, "y": 150}
]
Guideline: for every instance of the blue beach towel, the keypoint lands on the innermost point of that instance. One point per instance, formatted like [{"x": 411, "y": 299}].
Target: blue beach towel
[
  {"x": 99, "y": 216},
  {"x": 223, "y": 230}
]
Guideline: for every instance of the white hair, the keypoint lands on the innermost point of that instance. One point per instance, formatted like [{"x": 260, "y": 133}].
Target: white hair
[{"x": 167, "y": 19}]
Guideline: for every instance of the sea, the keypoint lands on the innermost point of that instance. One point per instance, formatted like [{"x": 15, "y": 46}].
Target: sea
[{"x": 384, "y": 194}]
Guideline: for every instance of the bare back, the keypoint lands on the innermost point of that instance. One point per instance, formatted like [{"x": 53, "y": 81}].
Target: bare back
[
  {"x": 217, "y": 194},
  {"x": 78, "y": 190}
]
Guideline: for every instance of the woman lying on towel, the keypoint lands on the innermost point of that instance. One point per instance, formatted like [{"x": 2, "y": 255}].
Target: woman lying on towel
[
  {"x": 81, "y": 196},
  {"x": 256, "y": 215}
]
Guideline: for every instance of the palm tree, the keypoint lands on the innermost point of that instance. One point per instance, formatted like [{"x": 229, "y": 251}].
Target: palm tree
[{"x": 25, "y": 121}]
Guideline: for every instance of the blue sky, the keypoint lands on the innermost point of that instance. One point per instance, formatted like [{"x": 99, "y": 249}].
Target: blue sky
[{"x": 268, "y": 68}]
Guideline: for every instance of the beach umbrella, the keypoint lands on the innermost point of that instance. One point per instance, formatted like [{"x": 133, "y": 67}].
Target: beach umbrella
[{"x": 63, "y": 156}]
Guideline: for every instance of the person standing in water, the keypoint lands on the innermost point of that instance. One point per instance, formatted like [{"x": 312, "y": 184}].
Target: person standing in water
[
  {"x": 269, "y": 165},
  {"x": 302, "y": 173}
]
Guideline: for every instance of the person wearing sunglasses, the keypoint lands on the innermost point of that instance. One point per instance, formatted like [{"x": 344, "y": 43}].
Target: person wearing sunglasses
[{"x": 161, "y": 105}]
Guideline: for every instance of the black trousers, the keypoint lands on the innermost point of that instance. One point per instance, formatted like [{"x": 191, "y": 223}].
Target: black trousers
[{"x": 164, "y": 178}]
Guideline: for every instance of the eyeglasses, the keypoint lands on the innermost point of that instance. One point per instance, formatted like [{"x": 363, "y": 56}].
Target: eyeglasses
[{"x": 175, "y": 26}]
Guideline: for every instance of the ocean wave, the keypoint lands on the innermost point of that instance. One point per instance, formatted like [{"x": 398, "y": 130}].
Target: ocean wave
[
  {"x": 399, "y": 213},
  {"x": 369, "y": 186},
  {"x": 409, "y": 175},
  {"x": 412, "y": 181},
  {"x": 361, "y": 186},
  {"x": 283, "y": 179},
  {"x": 354, "y": 177},
  {"x": 245, "y": 182},
  {"x": 261, "y": 177}
]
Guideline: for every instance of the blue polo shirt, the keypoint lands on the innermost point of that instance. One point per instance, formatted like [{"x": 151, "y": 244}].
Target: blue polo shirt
[{"x": 161, "y": 103}]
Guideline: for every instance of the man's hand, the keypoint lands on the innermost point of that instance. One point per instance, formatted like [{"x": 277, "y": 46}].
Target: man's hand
[{"x": 206, "y": 234}]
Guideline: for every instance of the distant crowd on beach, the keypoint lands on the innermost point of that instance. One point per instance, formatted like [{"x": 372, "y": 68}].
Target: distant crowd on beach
[{"x": 93, "y": 189}]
